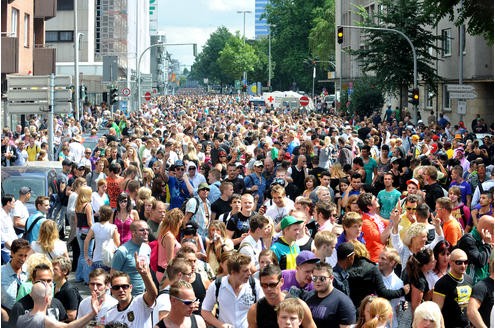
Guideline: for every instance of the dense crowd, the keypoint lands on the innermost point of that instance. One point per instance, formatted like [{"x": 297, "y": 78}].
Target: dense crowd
[{"x": 200, "y": 210}]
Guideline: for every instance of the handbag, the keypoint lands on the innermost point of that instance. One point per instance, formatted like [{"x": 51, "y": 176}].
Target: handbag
[
  {"x": 83, "y": 236},
  {"x": 108, "y": 249}
]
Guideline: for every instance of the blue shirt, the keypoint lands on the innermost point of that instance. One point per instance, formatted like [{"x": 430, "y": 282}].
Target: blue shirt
[
  {"x": 33, "y": 235},
  {"x": 252, "y": 180},
  {"x": 178, "y": 192},
  {"x": 214, "y": 192},
  {"x": 10, "y": 284},
  {"x": 124, "y": 261}
]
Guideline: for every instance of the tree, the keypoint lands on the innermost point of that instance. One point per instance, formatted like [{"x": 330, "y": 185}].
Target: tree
[
  {"x": 477, "y": 13},
  {"x": 236, "y": 57},
  {"x": 366, "y": 96},
  {"x": 292, "y": 22},
  {"x": 388, "y": 56},
  {"x": 205, "y": 65},
  {"x": 322, "y": 34}
]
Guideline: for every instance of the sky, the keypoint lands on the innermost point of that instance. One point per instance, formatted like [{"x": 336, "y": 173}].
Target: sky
[{"x": 192, "y": 21}]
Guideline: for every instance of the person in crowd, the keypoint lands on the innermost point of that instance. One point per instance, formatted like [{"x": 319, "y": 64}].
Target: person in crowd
[
  {"x": 113, "y": 183},
  {"x": 256, "y": 183},
  {"x": 452, "y": 229},
  {"x": 238, "y": 224},
  {"x": 7, "y": 232},
  {"x": 433, "y": 190},
  {"x": 182, "y": 304},
  {"x": 452, "y": 291},
  {"x": 12, "y": 275},
  {"x": 352, "y": 224},
  {"x": 428, "y": 314},
  {"x": 48, "y": 242},
  {"x": 101, "y": 232},
  {"x": 480, "y": 303},
  {"x": 380, "y": 312},
  {"x": 93, "y": 177},
  {"x": 329, "y": 306},
  {"x": 441, "y": 252},
  {"x": 460, "y": 212},
  {"x": 466, "y": 194},
  {"x": 99, "y": 284},
  {"x": 179, "y": 186},
  {"x": 20, "y": 212},
  {"x": 134, "y": 254},
  {"x": 286, "y": 247},
  {"x": 218, "y": 243},
  {"x": 99, "y": 198},
  {"x": 34, "y": 221},
  {"x": 251, "y": 244},
  {"x": 84, "y": 221},
  {"x": 222, "y": 204},
  {"x": 388, "y": 197},
  {"x": 41, "y": 273},
  {"x": 233, "y": 177},
  {"x": 232, "y": 309},
  {"x": 300, "y": 279},
  {"x": 65, "y": 292},
  {"x": 198, "y": 210},
  {"x": 201, "y": 275},
  {"x": 123, "y": 217},
  {"x": 168, "y": 246},
  {"x": 279, "y": 205},
  {"x": 324, "y": 245},
  {"x": 263, "y": 313},
  {"x": 133, "y": 309}
]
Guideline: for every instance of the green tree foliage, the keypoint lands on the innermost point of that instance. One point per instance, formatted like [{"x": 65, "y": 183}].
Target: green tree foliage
[
  {"x": 206, "y": 65},
  {"x": 388, "y": 55},
  {"x": 366, "y": 97},
  {"x": 292, "y": 20},
  {"x": 477, "y": 13},
  {"x": 322, "y": 34},
  {"x": 260, "y": 72},
  {"x": 237, "y": 57}
]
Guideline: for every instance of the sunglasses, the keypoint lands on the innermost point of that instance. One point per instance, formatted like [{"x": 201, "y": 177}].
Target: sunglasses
[
  {"x": 411, "y": 208},
  {"x": 192, "y": 169},
  {"x": 179, "y": 169},
  {"x": 185, "y": 302},
  {"x": 461, "y": 262},
  {"x": 118, "y": 287},
  {"x": 319, "y": 278},
  {"x": 270, "y": 284},
  {"x": 123, "y": 201}
]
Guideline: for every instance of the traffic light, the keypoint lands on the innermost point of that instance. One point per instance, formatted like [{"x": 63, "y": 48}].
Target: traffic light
[
  {"x": 244, "y": 88},
  {"x": 340, "y": 34},
  {"x": 114, "y": 96},
  {"x": 414, "y": 96}
]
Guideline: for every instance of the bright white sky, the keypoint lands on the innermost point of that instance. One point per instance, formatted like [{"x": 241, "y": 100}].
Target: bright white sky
[{"x": 192, "y": 21}]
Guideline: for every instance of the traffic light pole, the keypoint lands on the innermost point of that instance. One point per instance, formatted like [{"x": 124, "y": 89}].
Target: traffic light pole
[{"x": 415, "y": 60}]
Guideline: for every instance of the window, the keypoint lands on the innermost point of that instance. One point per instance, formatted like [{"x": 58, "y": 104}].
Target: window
[
  {"x": 65, "y": 5},
  {"x": 446, "y": 99},
  {"x": 446, "y": 42},
  {"x": 14, "y": 23},
  {"x": 59, "y": 36},
  {"x": 26, "y": 31}
]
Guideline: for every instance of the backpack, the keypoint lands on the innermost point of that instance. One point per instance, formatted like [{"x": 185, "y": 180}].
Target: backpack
[
  {"x": 31, "y": 227},
  {"x": 218, "y": 283},
  {"x": 183, "y": 206},
  {"x": 154, "y": 255}
]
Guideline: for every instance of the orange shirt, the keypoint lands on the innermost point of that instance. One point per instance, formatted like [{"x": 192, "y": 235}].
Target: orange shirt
[
  {"x": 113, "y": 189},
  {"x": 371, "y": 235},
  {"x": 452, "y": 231}
]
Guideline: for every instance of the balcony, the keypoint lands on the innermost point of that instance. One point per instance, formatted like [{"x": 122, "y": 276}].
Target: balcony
[
  {"x": 10, "y": 54},
  {"x": 43, "y": 60},
  {"x": 45, "y": 9}
]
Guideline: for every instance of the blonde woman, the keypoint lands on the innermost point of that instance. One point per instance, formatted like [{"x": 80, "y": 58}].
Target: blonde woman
[
  {"x": 84, "y": 222},
  {"x": 148, "y": 176},
  {"x": 71, "y": 206},
  {"x": 168, "y": 246},
  {"x": 428, "y": 315},
  {"x": 143, "y": 194},
  {"x": 191, "y": 154},
  {"x": 380, "y": 313},
  {"x": 218, "y": 242},
  {"x": 48, "y": 242}
]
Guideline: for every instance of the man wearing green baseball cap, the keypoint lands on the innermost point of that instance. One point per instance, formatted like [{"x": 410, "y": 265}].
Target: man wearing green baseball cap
[{"x": 285, "y": 247}]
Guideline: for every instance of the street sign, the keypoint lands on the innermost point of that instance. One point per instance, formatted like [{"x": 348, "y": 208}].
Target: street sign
[
  {"x": 38, "y": 94},
  {"x": 126, "y": 92},
  {"x": 463, "y": 95},
  {"x": 28, "y": 81},
  {"x": 461, "y": 107},
  {"x": 304, "y": 101},
  {"x": 459, "y": 87},
  {"x": 30, "y": 108},
  {"x": 147, "y": 96}
]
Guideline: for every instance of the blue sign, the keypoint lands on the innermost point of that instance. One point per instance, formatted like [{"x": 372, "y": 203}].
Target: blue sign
[{"x": 123, "y": 106}]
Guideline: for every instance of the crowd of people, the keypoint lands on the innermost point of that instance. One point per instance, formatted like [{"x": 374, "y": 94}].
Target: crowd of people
[{"x": 198, "y": 210}]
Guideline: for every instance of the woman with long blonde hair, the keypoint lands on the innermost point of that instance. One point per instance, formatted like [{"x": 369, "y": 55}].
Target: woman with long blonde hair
[
  {"x": 218, "y": 242},
  {"x": 168, "y": 246},
  {"x": 84, "y": 221},
  {"x": 48, "y": 242},
  {"x": 381, "y": 313},
  {"x": 32, "y": 262}
]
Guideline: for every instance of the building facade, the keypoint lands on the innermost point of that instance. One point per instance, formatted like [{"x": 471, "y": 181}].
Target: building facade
[{"x": 261, "y": 28}]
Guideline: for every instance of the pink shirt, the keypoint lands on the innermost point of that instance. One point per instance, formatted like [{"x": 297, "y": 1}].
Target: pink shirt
[{"x": 124, "y": 228}]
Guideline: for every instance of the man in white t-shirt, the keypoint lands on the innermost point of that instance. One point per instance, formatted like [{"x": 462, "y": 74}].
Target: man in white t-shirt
[
  {"x": 20, "y": 212},
  {"x": 251, "y": 245},
  {"x": 280, "y": 206},
  {"x": 134, "y": 311},
  {"x": 99, "y": 282}
]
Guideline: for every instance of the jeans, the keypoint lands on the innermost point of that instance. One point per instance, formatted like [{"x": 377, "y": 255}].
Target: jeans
[
  {"x": 99, "y": 264},
  {"x": 83, "y": 269}
]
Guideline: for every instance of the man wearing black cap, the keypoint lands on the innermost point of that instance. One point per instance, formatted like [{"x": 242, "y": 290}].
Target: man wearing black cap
[
  {"x": 345, "y": 258},
  {"x": 329, "y": 306},
  {"x": 179, "y": 186}
]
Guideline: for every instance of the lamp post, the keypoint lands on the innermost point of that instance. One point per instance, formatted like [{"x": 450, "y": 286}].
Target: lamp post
[
  {"x": 314, "y": 71},
  {"x": 244, "y": 12}
]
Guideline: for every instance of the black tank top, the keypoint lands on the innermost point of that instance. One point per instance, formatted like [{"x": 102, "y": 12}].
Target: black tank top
[
  {"x": 298, "y": 178},
  {"x": 266, "y": 317},
  {"x": 194, "y": 323},
  {"x": 199, "y": 291},
  {"x": 82, "y": 219}
]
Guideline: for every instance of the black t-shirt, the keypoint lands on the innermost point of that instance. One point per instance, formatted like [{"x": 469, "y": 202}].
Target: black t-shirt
[
  {"x": 483, "y": 291},
  {"x": 69, "y": 296},
  {"x": 331, "y": 311},
  {"x": 239, "y": 224},
  {"x": 26, "y": 304},
  {"x": 421, "y": 283},
  {"x": 238, "y": 185},
  {"x": 457, "y": 294},
  {"x": 220, "y": 206},
  {"x": 433, "y": 192}
]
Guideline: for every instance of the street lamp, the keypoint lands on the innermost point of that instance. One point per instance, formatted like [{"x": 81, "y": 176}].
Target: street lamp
[
  {"x": 244, "y": 12},
  {"x": 138, "y": 70},
  {"x": 314, "y": 62}
]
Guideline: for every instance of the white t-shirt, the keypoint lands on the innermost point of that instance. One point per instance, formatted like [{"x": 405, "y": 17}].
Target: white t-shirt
[
  {"x": 98, "y": 201},
  {"x": 137, "y": 314},
  {"x": 20, "y": 210},
  {"x": 59, "y": 249},
  {"x": 277, "y": 213},
  {"x": 7, "y": 228},
  {"x": 162, "y": 304},
  {"x": 102, "y": 232},
  {"x": 85, "y": 308}
]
